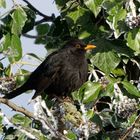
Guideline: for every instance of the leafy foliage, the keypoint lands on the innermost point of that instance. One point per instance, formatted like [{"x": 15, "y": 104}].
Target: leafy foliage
[{"x": 111, "y": 95}]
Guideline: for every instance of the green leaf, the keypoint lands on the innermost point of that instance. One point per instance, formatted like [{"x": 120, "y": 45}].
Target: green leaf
[
  {"x": 34, "y": 56},
  {"x": 96, "y": 118},
  {"x": 2, "y": 3},
  {"x": 116, "y": 16},
  {"x": 22, "y": 76},
  {"x": 30, "y": 22},
  {"x": 90, "y": 91},
  {"x": 118, "y": 72},
  {"x": 19, "y": 18},
  {"x": 94, "y": 6},
  {"x": 42, "y": 29},
  {"x": 132, "y": 90},
  {"x": 104, "y": 57},
  {"x": 19, "y": 119},
  {"x": 109, "y": 90},
  {"x": 61, "y": 3},
  {"x": 8, "y": 71},
  {"x": 133, "y": 39},
  {"x": 6, "y": 42},
  {"x": 15, "y": 49},
  {"x": 77, "y": 14},
  {"x": 71, "y": 136},
  {"x": 89, "y": 114}
]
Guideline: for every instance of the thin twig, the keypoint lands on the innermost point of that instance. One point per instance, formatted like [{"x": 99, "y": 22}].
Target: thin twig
[
  {"x": 130, "y": 129},
  {"x": 16, "y": 108},
  {"x": 34, "y": 36},
  {"x": 40, "y": 21},
  {"x": 47, "y": 18},
  {"x": 2, "y": 58}
]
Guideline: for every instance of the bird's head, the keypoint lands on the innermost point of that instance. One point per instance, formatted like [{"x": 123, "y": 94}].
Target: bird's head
[{"x": 77, "y": 44}]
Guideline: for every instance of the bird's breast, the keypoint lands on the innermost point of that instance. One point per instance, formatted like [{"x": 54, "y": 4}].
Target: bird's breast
[{"x": 69, "y": 78}]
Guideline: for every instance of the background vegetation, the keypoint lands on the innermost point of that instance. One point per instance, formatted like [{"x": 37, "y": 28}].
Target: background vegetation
[{"x": 107, "y": 105}]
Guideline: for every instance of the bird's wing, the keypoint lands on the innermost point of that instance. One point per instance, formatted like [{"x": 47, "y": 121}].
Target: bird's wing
[{"x": 45, "y": 74}]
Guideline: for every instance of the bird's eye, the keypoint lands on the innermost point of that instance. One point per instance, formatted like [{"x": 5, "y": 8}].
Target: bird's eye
[{"x": 77, "y": 46}]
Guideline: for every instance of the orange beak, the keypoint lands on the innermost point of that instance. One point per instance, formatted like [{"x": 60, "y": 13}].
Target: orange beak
[{"x": 89, "y": 47}]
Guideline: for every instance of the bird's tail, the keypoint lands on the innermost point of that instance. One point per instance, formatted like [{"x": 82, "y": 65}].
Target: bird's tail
[{"x": 16, "y": 92}]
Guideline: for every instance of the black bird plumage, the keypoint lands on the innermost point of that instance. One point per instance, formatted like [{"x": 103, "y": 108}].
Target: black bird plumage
[{"x": 62, "y": 72}]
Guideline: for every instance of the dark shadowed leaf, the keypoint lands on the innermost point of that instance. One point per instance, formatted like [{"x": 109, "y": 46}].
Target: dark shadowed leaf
[
  {"x": 96, "y": 118},
  {"x": 34, "y": 56}
]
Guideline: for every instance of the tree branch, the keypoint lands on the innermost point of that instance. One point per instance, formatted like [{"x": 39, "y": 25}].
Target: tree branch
[
  {"x": 46, "y": 18},
  {"x": 16, "y": 108}
]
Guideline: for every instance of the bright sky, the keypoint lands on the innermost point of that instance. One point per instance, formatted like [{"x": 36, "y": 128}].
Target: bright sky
[{"x": 47, "y": 7}]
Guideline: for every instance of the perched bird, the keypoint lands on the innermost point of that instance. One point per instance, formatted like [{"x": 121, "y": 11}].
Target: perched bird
[{"x": 62, "y": 72}]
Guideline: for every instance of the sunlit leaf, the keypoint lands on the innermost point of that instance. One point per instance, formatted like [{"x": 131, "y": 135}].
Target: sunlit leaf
[
  {"x": 19, "y": 119},
  {"x": 19, "y": 18},
  {"x": 133, "y": 39},
  {"x": 2, "y": 3},
  {"x": 104, "y": 57},
  {"x": 89, "y": 113},
  {"x": 22, "y": 76},
  {"x": 8, "y": 71},
  {"x": 118, "y": 72},
  {"x": 90, "y": 91},
  {"x": 6, "y": 42},
  {"x": 132, "y": 90},
  {"x": 15, "y": 51},
  {"x": 94, "y": 6},
  {"x": 71, "y": 136}
]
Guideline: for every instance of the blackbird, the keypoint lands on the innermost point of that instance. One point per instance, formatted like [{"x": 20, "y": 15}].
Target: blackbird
[{"x": 62, "y": 72}]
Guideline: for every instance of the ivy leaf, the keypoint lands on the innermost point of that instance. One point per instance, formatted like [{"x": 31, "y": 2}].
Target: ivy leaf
[
  {"x": 94, "y": 6},
  {"x": 19, "y": 119},
  {"x": 90, "y": 91},
  {"x": 19, "y": 18},
  {"x": 6, "y": 42},
  {"x": 76, "y": 21},
  {"x": 42, "y": 29},
  {"x": 15, "y": 49},
  {"x": 104, "y": 57},
  {"x": 132, "y": 90},
  {"x": 71, "y": 136},
  {"x": 2, "y": 3},
  {"x": 60, "y": 3},
  {"x": 77, "y": 14},
  {"x": 34, "y": 56},
  {"x": 133, "y": 39},
  {"x": 116, "y": 17}
]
